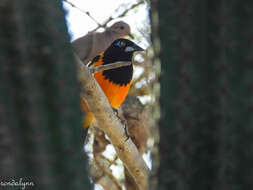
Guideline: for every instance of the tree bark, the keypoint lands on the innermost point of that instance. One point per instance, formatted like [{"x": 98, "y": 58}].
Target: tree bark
[{"x": 112, "y": 126}]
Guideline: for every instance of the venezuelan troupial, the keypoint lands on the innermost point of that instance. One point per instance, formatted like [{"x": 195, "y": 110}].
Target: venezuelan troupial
[{"x": 114, "y": 82}]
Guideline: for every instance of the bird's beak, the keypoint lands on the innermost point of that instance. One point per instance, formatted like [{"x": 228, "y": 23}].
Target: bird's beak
[
  {"x": 131, "y": 36},
  {"x": 138, "y": 48},
  {"x": 133, "y": 48}
]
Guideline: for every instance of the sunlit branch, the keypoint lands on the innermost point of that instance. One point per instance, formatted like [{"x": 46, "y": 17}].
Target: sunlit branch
[
  {"x": 109, "y": 66},
  {"x": 112, "y": 126}
]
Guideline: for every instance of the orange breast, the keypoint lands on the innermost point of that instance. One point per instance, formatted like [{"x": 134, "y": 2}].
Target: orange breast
[{"x": 115, "y": 93}]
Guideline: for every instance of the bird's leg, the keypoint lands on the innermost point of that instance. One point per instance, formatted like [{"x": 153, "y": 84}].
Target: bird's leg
[
  {"x": 126, "y": 129},
  {"x": 123, "y": 121},
  {"x": 116, "y": 111}
]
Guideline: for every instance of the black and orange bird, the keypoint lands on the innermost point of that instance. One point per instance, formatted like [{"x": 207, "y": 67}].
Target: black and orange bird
[{"x": 114, "y": 82}]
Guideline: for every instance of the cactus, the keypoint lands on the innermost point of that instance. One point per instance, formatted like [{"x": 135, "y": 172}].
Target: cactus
[
  {"x": 40, "y": 117},
  {"x": 206, "y": 94}
]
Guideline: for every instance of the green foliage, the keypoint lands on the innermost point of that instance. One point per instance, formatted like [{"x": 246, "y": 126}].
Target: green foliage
[{"x": 40, "y": 117}]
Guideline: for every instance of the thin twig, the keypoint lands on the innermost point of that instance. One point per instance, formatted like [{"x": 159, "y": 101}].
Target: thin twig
[
  {"x": 107, "y": 20},
  {"x": 110, "y": 162},
  {"x": 119, "y": 16},
  {"x": 109, "y": 66},
  {"x": 83, "y": 11},
  {"x": 99, "y": 162}
]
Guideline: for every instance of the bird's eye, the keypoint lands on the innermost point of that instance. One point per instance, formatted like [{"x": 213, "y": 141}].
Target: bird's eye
[
  {"x": 122, "y": 27},
  {"x": 122, "y": 43}
]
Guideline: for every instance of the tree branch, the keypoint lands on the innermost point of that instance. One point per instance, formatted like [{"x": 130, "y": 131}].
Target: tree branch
[
  {"x": 119, "y": 16},
  {"x": 83, "y": 11},
  {"x": 106, "y": 171},
  {"x": 111, "y": 125},
  {"x": 108, "y": 19},
  {"x": 109, "y": 66}
]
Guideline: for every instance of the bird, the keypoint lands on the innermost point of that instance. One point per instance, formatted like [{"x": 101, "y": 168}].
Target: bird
[
  {"x": 92, "y": 44},
  {"x": 115, "y": 83}
]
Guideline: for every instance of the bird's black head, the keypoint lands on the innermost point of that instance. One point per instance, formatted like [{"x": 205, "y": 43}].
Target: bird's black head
[{"x": 121, "y": 50}]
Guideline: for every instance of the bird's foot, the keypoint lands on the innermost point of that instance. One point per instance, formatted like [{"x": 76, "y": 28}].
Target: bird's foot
[
  {"x": 116, "y": 111},
  {"x": 126, "y": 129},
  {"x": 123, "y": 121}
]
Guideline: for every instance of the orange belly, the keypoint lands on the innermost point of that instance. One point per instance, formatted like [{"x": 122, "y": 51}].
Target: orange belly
[{"x": 115, "y": 93}]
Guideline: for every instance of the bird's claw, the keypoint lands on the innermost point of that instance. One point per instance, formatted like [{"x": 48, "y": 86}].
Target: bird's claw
[
  {"x": 116, "y": 111},
  {"x": 126, "y": 130},
  {"x": 124, "y": 122}
]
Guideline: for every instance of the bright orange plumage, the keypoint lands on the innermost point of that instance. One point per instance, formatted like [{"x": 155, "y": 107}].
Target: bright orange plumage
[
  {"x": 115, "y": 93},
  {"x": 114, "y": 82}
]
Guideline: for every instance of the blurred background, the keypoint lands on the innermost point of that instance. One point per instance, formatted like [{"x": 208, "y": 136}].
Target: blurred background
[{"x": 189, "y": 109}]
